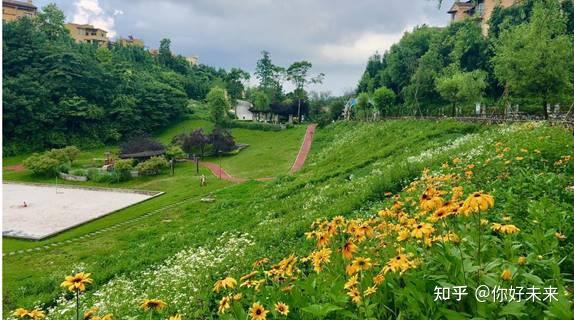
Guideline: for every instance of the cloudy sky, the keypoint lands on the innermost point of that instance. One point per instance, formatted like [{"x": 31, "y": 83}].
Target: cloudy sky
[{"x": 337, "y": 36}]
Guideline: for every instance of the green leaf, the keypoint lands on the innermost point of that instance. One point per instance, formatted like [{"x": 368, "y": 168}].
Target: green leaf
[
  {"x": 513, "y": 309},
  {"x": 321, "y": 310}
]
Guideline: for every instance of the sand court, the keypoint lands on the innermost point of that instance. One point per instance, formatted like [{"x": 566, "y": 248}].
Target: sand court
[{"x": 39, "y": 211}]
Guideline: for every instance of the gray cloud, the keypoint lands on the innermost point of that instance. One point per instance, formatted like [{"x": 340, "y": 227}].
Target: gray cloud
[{"x": 337, "y": 36}]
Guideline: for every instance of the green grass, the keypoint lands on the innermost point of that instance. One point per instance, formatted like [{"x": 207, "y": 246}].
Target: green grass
[
  {"x": 350, "y": 168},
  {"x": 269, "y": 153}
]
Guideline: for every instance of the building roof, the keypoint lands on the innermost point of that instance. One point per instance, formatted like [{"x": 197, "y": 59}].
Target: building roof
[
  {"x": 464, "y": 6},
  {"x": 85, "y": 26},
  {"x": 20, "y": 3}
]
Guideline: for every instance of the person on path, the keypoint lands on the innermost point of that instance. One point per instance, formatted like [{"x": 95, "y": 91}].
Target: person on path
[{"x": 203, "y": 181}]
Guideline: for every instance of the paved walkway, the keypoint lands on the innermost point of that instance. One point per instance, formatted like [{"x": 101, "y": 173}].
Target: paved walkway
[
  {"x": 297, "y": 165},
  {"x": 305, "y": 149}
]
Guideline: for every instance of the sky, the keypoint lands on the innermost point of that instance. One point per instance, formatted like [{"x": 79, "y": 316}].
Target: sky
[{"x": 337, "y": 36}]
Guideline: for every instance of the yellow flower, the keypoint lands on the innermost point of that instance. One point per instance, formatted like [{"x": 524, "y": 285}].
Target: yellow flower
[
  {"x": 521, "y": 260},
  {"x": 77, "y": 282},
  {"x": 370, "y": 291},
  {"x": 422, "y": 229},
  {"x": 361, "y": 264},
  {"x": 379, "y": 278},
  {"x": 400, "y": 263},
  {"x": 353, "y": 281},
  {"x": 248, "y": 276},
  {"x": 478, "y": 201},
  {"x": 90, "y": 313},
  {"x": 36, "y": 314},
  {"x": 260, "y": 262},
  {"x": 560, "y": 236},
  {"x": 176, "y": 317},
  {"x": 20, "y": 312},
  {"x": 403, "y": 235},
  {"x": 445, "y": 165},
  {"x": 456, "y": 160},
  {"x": 504, "y": 228},
  {"x": 506, "y": 275},
  {"x": 468, "y": 174},
  {"x": 519, "y": 158},
  {"x": 523, "y": 150},
  {"x": 228, "y": 282},
  {"x": 237, "y": 296},
  {"x": 282, "y": 308},
  {"x": 319, "y": 258},
  {"x": 224, "y": 304},
  {"x": 153, "y": 304},
  {"x": 323, "y": 239},
  {"x": 348, "y": 249},
  {"x": 429, "y": 202},
  {"x": 257, "y": 312},
  {"x": 355, "y": 295},
  {"x": 106, "y": 317}
]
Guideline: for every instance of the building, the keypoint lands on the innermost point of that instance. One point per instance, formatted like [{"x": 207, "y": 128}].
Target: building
[
  {"x": 131, "y": 41},
  {"x": 479, "y": 9},
  {"x": 87, "y": 33},
  {"x": 193, "y": 60},
  {"x": 12, "y": 9}
]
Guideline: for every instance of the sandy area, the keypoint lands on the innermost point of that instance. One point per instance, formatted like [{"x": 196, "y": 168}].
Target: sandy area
[{"x": 35, "y": 212}]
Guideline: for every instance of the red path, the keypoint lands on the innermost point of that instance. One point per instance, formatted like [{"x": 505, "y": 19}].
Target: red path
[
  {"x": 297, "y": 165},
  {"x": 305, "y": 148}
]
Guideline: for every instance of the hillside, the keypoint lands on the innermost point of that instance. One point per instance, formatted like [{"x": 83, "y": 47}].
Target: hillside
[{"x": 354, "y": 168}]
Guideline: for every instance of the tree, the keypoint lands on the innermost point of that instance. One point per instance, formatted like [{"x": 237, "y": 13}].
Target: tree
[
  {"x": 72, "y": 153},
  {"x": 234, "y": 83},
  {"x": 461, "y": 87},
  {"x": 298, "y": 74},
  {"x": 269, "y": 76},
  {"x": 383, "y": 99},
  {"x": 194, "y": 142},
  {"x": 535, "y": 59},
  {"x": 51, "y": 21},
  {"x": 218, "y": 104},
  {"x": 174, "y": 152},
  {"x": 221, "y": 140},
  {"x": 363, "y": 106}
]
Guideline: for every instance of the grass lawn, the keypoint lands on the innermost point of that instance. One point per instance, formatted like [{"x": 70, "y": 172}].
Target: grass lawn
[{"x": 269, "y": 153}]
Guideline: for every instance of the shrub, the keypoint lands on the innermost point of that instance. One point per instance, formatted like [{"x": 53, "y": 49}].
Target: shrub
[
  {"x": 152, "y": 167},
  {"x": 123, "y": 168},
  {"x": 42, "y": 165},
  {"x": 100, "y": 176},
  {"x": 79, "y": 172},
  {"x": 257, "y": 126}
]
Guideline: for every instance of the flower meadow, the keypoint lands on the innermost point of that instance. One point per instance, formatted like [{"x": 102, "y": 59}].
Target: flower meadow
[{"x": 382, "y": 215}]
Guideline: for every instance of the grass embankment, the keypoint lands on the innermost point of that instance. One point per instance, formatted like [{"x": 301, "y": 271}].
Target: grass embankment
[{"x": 351, "y": 167}]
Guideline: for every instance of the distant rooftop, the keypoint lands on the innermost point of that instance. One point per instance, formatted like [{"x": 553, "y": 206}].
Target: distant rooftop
[{"x": 20, "y": 3}]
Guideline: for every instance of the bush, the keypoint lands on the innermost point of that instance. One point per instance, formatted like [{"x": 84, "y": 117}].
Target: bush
[
  {"x": 100, "y": 176},
  {"x": 79, "y": 172},
  {"x": 51, "y": 162},
  {"x": 257, "y": 126},
  {"x": 152, "y": 167},
  {"x": 43, "y": 165},
  {"x": 123, "y": 169}
]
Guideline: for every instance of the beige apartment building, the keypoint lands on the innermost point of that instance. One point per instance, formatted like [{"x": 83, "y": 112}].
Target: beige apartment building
[
  {"x": 131, "y": 41},
  {"x": 87, "y": 33},
  {"x": 479, "y": 9},
  {"x": 12, "y": 9}
]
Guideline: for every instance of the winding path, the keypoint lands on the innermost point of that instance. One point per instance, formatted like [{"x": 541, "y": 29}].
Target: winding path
[{"x": 297, "y": 165}]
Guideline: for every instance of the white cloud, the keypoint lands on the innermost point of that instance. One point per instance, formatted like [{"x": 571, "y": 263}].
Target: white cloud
[
  {"x": 357, "y": 51},
  {"x": 90, "y": 12}
]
